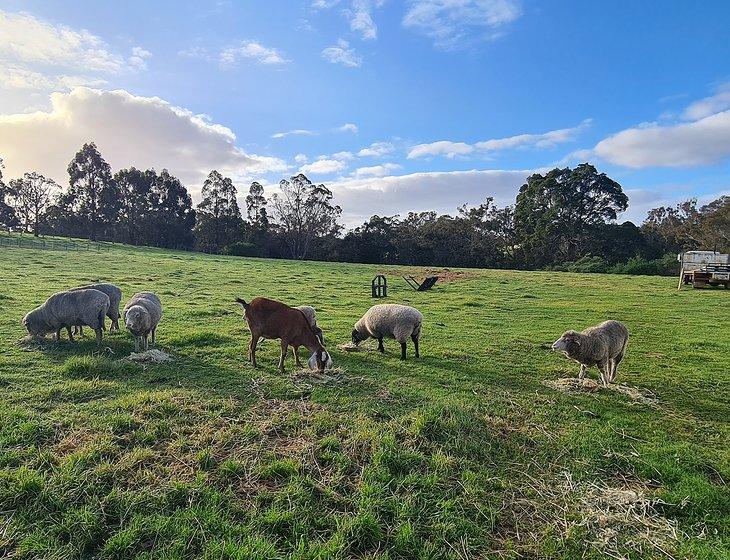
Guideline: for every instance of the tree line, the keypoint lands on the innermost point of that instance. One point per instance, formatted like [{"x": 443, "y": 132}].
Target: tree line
[{"x": 565, "y": 219}]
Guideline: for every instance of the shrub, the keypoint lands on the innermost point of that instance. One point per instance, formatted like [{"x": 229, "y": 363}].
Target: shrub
[{"x": 241, "y": 249}]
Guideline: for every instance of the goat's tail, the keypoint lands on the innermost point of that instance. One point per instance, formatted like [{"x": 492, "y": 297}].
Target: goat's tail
[{"x": 242, "y": 303}]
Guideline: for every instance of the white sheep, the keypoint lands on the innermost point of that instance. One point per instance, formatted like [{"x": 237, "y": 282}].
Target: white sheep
[
  {"x": 602, "y": 346},
  {"x": 142, "y": 314},
  {"x": 390, "y": 320}
]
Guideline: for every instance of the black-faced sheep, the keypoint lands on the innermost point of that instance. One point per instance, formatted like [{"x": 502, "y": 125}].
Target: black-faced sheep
[
  {"x": 390, "y": 320},
  {"x": 142, "y": 314},
  {"x": 115, "y": 298},
  {"x": 67, "y": 310},
  {"x": 603, "y": 346}
]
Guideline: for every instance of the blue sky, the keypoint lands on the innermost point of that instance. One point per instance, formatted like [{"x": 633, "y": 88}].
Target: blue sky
[{"x": 397, "y": 106}]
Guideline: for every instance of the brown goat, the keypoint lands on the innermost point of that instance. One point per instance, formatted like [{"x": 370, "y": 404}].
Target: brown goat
[{"x": 267, "y": 318}]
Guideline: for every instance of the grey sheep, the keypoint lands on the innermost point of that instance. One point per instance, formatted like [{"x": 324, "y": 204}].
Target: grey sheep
[
  {"x": 69, "y": 309},
  {"x": 603, "y": 346},
  {"x": 115, "y": 298},
  {"x": 142, "y": 314},
  {"x": 390, "y": 320}
]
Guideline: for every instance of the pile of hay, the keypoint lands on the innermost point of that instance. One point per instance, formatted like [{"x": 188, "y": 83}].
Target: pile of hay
[
  {"x": 624, "y": 518},
  {"x": 586, "y": 385},
  {"x": 153, "y": 356},
  {"x": 350, "y": 347}
]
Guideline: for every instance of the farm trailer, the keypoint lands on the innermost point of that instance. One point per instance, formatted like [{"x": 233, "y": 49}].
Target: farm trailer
[{"x": 703, "y": 268}]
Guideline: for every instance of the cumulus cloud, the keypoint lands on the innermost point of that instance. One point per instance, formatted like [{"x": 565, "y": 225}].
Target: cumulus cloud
[
  {"x": 341, "y": 53},
  {"x": 444, "y": 192},
  {"x": 348, "y": 127},
  {"x": 301, "y": 158},
  {"x": 41, "y": 55},
  {"x": 323, "y": 166},
  {"x": 451, "y": 24},
  {"x": 252, "y": 50},
  {"x": 377, "y": 149},
  {"x": 129, "y": 131},
  {"x": 295, "y": 132},
  {"x": 702, "y": 142},
  {"x": 377, "y": 170},
  {"x": 453, "y": 149}
]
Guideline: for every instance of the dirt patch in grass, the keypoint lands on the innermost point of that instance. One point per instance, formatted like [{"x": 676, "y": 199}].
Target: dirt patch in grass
[
  {"x": 586, "y": 385},
  {"x": 445, "y": 274}
]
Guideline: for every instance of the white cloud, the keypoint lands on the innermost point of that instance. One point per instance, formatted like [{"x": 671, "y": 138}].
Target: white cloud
[
  {"x": 324, "y": 4},
  {"x": 342, "y": 54},
  {"x": 377, "y": 149},
  {"x": 139, "y": 58},
  {"x": 441, "y": 148},
  {"x": 453, "y": 23},
  {"x": 129, "y": 130},
  {"x": 361, "y": 18},
  {"x": 301, "y": 158},
  {"x": 349, "y": 127},
  {"x": 35, "y": 54},
  {"x": 377, "y": 170},
  {"x": 19, "y": 77},
  {"x": 703, "y": 142},
  {"x": 720, "y": 101},
  {"x": 295, "y": 132},
  {"x": 343, "y": 156},
  {"x": 453, "y": 149},
  {"x": 323, "y": 166},
  {"x": 443, "y": 192},
  {"x": 252, "y": 50}
]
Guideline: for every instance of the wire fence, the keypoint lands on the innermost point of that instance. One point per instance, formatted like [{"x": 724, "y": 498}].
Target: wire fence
[{"x": 23, "y": 242}]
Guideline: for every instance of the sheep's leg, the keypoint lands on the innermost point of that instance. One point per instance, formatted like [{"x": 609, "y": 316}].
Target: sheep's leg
[
  {"x": 604, "y": 366},
  {"x": 402, "y": 350},
  {"x": 98, "y": 336},
  {"x": 282, "y": 356},
  {"x": 381, "y": 348},
  {"x": 154, "y": 340},
  {"x": 414, "y": 338},
  {"x": 146, "y": 341},
  {"x": 616, "y": 362},
  {"x": 70, "y": 334},
  {"x": 583, "y": 371},
  {"x": 58, "y": 335}
]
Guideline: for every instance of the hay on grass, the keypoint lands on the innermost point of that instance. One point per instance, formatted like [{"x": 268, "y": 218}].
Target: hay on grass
[
  {"x": 153, "y": 356},
  {"x": 586, "y": 385}
]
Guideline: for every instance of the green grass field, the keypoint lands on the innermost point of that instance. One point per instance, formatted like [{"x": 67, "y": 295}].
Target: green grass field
[{"x": 464, "y": 453}]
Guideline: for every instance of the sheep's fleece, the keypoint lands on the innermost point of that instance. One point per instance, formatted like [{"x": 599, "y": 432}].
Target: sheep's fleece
[
  {"x": 68, "y": 309},
  {"x": 149, "y": 316},
  {"x": 390, "y": 320}
]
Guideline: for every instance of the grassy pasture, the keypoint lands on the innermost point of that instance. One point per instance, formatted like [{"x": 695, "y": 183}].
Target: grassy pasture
[{"x": 464, "y": 453}]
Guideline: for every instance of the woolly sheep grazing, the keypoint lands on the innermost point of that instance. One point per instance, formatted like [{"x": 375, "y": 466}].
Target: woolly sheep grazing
[
  {"x": 603, "y": 346},
  {"x": 142, "y": 314},
  {"x": 69, "y": 309},
  {"x": 115, "y": 298},
  {"x": 392, "y": 321}
]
